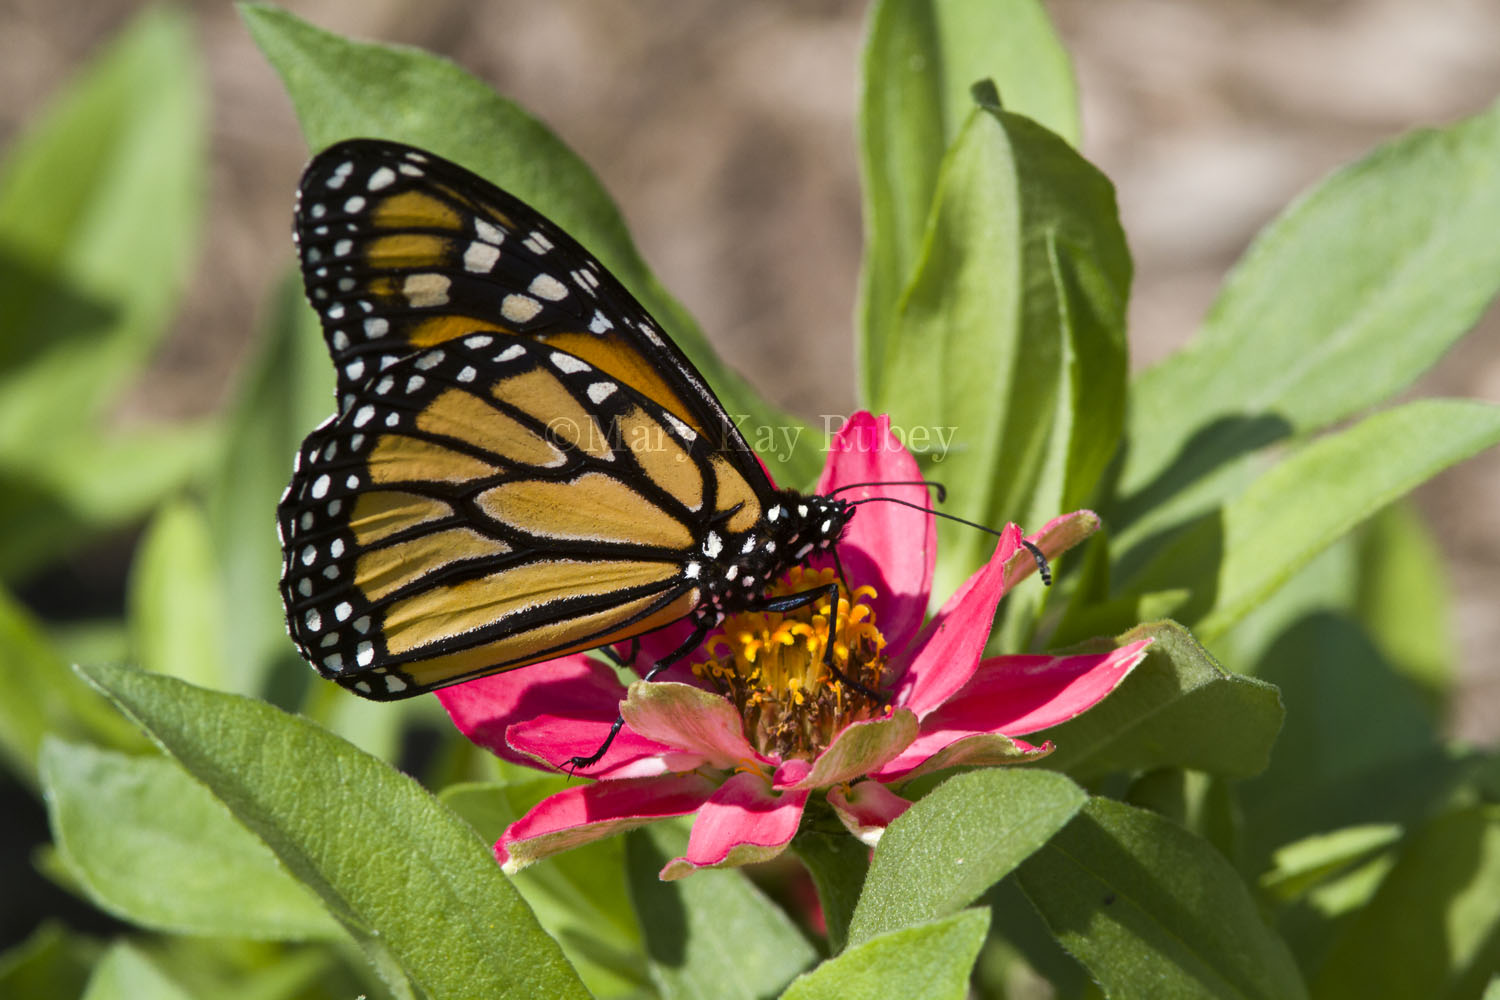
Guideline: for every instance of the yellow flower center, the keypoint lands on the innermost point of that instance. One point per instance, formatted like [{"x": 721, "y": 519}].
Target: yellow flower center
[{"x": 771, "y": 665}]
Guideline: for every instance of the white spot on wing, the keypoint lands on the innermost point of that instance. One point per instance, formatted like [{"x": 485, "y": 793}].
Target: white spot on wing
[
  {"x": 683, "y": 430},
  {"x": 547, "y": 287},
  {"x": 519, "y": 308},
  {"x": 480, "y": 257},
  {"x": 382, "y": 178},
  {"x": 423, "y": 291},
  {"x": 567, "y": 363},
  {"x": 489, "y": 232},
  {"x": 600, "y": 391}
]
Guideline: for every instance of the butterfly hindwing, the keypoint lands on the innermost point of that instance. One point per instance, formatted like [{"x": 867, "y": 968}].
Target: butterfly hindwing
[
  {"x": 488, "y": 503},
  {"x": 403, "y": 250}
]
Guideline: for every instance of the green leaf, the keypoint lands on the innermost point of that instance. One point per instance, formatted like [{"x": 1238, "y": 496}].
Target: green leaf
[
  {"x": 1231, "y": 560},
  {"x": 287, "y": 391},
  {"x": 1358, "y": 746},
  {"x": 956, "y": 842},
  {"x": 1153, "y": 911},
  {"x": 1304, "y": 864},
  {"x": 43, "y": 695},
  {"x": 92, "y": 483},
  {"x": 1010, "y": 339},
  {"x": 838, "y": 864},
  {"x": 931, "y": 961},
  {"x": 580, "y": 896},
  {"x": 920, "y": 59},
  {"x": 125, "y": 973},
  {"x": 1178, "y": 708},
  {"x": 408, "y": 878},
  {"x": 1404, "y": 601},
  {"x": 152, "y": 846},
  {"x": 343, "y": 89},
  {"x": 99, "y": 204},
  {"x": 177, "y": 609},
  {"x": 99, "y": 208},
  {"x": 712, "y": 935},
  {"x": 1433, "y": 928},
  {"x": 49, "y": 963},
  {"x": 1341, "y": 303}
]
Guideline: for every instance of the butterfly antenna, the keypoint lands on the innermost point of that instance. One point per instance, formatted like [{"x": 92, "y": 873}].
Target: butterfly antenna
[
  {"x": 937, "y": 488},
  {"x": 1042, "y": 565}
]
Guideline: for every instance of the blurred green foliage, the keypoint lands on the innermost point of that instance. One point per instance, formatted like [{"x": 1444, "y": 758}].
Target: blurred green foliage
[{"x": 1266, "y": 807}]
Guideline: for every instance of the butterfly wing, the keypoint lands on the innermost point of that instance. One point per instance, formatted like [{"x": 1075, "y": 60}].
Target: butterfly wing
[
  {"x": 402, "y": 250},
  {"x": 522, "y": 462},
  {"x": 490, "y": 503}
]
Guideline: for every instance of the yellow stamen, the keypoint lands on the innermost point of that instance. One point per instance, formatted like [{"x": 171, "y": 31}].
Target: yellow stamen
[{"x": 771, "y": 665}]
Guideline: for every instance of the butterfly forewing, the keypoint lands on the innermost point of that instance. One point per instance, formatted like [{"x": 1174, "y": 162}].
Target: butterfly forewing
[
  {"x": 402, "y": 250},
  {"x": 522, "y": 464},
  {"x": 486, "y": 504}
]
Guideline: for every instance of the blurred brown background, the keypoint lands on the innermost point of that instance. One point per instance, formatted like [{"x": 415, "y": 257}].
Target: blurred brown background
[{"x": 725, "y": 131}]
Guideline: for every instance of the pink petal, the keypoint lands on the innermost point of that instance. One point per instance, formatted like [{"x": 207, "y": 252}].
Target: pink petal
[
  {"x": 1064, "y": 531},
  {"x": 571, "y": 687},
  {"x": 946, "y": 748},
  {"x": 691, "y": 720},
  {"x": 552, "y": 741},
  {"x": 790, "y": 772},
  {"x": 890, "y": 547},
  {"x": 743, "y": 822},
  {"x": 944, "y": 655},
  {"x": 866, "y": 808},
  {"x": 860, "y": 748},
  {"x": 1024, "y": 694},
  {"x": 585, "y": 813}
]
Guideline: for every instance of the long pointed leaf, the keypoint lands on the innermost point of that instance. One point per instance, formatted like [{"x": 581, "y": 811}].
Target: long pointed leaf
[
  {"x": 920, "y": 59},
  {"x": 1009, "y": 341},
  {"x": 1228, "y": 563},
  {"x": 1154, "y": 912},
  {"x": 403, "y": 874},
  {"x": 1354, "y": 292}
]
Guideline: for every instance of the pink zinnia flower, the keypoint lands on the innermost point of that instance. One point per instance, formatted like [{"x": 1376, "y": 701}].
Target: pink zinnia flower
[{"x": 748, "y": 732}]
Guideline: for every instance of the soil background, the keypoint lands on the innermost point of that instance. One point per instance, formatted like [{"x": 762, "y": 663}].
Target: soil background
[{"x": 725, "y": 130}]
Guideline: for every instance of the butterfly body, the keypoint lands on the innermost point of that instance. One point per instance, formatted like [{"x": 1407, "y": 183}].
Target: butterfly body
[{"x": 523, "y": 465}]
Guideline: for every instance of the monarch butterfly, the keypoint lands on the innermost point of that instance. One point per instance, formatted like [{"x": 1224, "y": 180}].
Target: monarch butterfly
[{"x": 522, "y": 464}]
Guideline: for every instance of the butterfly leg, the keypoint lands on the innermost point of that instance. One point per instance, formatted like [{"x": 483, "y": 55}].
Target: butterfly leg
[
  {"x": 626, "y": 660},
  {"x": 700, "y": 629}
]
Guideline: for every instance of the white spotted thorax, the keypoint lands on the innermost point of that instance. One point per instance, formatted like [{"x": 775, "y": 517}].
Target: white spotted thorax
[{"x": 736, "y": 568}]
